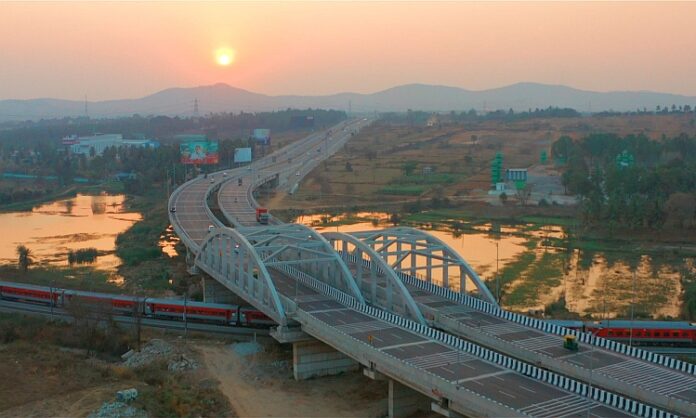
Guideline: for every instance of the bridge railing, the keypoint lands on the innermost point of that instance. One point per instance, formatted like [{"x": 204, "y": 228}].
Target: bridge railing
[
  {"x": 554, "y": 379},
  {"x": 586, "y": 338}
]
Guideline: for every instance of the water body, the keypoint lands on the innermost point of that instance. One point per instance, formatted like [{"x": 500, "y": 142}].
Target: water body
[
  {"x": 538, "y": 266},
  {"x": 52, "y": 229}
]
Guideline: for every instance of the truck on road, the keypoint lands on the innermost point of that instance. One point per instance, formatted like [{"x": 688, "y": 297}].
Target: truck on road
[{"x": 262, "y": 216}]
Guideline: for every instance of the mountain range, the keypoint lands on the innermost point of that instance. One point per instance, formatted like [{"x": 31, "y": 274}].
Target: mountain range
[{"x": 224, "y": 98}]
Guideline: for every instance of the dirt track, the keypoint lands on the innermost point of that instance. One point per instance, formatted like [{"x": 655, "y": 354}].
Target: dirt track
[{"x": 256, "y": 388}]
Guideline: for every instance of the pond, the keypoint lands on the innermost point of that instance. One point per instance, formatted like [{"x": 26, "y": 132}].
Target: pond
[
  {"x": 536, "y": 267},
  {"x": 53, "y": 229}
]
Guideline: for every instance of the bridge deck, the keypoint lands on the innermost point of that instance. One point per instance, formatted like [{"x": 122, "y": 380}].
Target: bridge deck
[
  {"x": 655, "y": 378},
  {"x": 428, "y": 356}
]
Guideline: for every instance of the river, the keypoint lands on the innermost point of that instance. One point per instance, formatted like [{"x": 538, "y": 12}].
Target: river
[{"x": 538, "y": 267}]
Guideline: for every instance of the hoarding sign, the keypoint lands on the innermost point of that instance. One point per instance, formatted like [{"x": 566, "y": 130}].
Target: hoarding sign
[
  {"x": 262, "y": 136},
  {"x": 242, "y": 155},
  {"x": 199, "y": 152}
]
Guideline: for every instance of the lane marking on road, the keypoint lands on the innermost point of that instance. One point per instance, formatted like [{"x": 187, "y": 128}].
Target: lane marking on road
[
  {"x": 527, "y": 389},
  {"x": 507, "y": 394}
]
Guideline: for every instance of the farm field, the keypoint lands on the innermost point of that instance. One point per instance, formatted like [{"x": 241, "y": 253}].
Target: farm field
[{"x": 385, "y": 163}]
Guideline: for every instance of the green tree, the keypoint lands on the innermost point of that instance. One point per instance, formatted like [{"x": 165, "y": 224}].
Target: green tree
[
  {"x": 24, "y": 257},
  {"x": 409, "y": 167}
]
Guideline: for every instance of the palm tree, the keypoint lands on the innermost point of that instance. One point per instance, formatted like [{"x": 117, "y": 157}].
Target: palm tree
[{"x": 25, "y": 259}]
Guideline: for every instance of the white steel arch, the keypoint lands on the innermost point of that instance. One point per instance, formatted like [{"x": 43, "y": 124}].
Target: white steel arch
[
  {"x": 229, "y": 258},
  {"x": 296, "y": 247},
  {"x": 410, "y": 251},
  {"x": 380, "y": 273}
]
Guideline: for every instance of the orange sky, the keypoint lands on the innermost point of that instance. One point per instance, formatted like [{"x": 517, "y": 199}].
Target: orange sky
[{"x": 122, "y": 50}]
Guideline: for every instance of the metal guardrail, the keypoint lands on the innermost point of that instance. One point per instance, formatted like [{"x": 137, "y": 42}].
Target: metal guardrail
[
  {"x": 465, "y": 299},
  {"x": 526, "y": 369}
]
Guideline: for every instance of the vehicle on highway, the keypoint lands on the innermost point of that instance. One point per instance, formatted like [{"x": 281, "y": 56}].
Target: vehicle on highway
[
  {"x": 262, "y": 216},
  {"x": 297, "y": 174},
  {"x": 212, "y": 179},
  {"x": 211, "y": 228},
  {"x": 239, "y": 181},
  {"x": 156, "y": 308},
  {"x": 173, "y": 209},
  {"x": 224, "y": 174}
]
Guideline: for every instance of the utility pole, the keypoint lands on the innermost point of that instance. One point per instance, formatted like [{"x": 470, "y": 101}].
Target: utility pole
[
  {"x": 633, "y": 301},
  {"x": 185, "y": 316},
  {"x": 497, "y": 275},
  {"x": 52, "y": 301}
]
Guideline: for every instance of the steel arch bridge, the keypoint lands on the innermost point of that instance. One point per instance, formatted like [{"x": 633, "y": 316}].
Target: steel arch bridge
[
  {"x": 245, "y": 260},
  {"x": 380, "y": 284},
  {"x": 419, "y": 254}
]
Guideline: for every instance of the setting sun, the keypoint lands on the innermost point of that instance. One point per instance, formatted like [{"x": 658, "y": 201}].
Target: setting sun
[{"x": 224, "y": 56}]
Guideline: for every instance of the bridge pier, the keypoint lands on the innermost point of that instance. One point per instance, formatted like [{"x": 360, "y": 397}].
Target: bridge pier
[
  {"x": 406, "y": 402},
  {"x": 191, "y": 262},
  {"x": 214, "y": 292},
  {"x": 314, "y": 358}
]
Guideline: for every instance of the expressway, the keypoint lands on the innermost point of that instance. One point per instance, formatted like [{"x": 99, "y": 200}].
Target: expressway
[
  {"x": 456, "y": 374},
  {"x": 609, "y": 368}
]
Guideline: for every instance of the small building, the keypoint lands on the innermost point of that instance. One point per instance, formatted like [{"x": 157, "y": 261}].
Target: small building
[
  {"x": 516, "y": 174},
  {"x": 433, "y": 120},
  {"x": 123, "y": 176},
  {"x": 428, "y": 170},
  {"x": 98, "y": 143}
]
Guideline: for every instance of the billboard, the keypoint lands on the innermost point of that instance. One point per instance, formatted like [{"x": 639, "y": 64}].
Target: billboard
[
  {"x": 262, "y": 136},
  {"x": 199, "y": 152},
  {"x": 242, "y": 155},
  {"x": 302, "y": 121}
]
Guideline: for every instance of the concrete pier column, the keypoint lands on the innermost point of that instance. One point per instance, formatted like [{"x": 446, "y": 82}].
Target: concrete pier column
[
  {"x": 214, "y": 292},
  {"x": 314, "y": 358},
  {"x": 405, "y": 402}
]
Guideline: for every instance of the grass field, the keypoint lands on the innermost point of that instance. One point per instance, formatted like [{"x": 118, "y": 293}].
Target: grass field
[{"x": 384, "y": 163}]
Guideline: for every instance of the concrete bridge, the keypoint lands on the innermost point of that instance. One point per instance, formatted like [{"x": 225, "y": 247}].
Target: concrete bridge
[{"x": 383, "y": 301}]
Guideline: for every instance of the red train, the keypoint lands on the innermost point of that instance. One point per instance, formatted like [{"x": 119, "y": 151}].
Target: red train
[
  {"x": 171, "y": 309},
  {"x": 670, "y": 333}
]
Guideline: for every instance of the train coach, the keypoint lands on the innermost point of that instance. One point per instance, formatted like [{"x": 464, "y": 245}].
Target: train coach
[
  {"x": 668, "y": 333},
  {"x": 165, "y": 309}
]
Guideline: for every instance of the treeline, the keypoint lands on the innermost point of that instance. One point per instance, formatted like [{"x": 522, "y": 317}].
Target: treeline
[
  {"x": 29, "y": 134},
  {"x": 419, "y": 117},
  {"x": 35, "y": 147},
  {"x": 631, "y": 181}
]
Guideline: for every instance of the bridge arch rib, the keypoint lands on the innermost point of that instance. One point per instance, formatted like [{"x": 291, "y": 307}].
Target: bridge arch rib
[
  {"x": 410, "y": 251},
  {"x": 297, "y": 249},
  {"x": 382, "y": 284},
  {"x": 232, "y": 260}
]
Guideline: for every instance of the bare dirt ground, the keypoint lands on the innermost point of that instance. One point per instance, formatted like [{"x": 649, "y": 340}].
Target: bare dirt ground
[
  {"x": 261, "y": 385},
  {"x": 47, "y": 382},
  {"x": 79, "y": 403}
]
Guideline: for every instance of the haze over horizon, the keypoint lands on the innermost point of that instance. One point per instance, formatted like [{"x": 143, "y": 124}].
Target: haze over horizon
[{"x": 111, "y": 51}]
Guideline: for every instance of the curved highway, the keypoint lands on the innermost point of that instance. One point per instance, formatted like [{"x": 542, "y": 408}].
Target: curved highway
[{"x": 456, "y": 373}]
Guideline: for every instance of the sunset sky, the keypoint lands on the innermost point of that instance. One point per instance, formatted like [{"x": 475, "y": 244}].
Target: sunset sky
[{"x": 124, "y": 50}]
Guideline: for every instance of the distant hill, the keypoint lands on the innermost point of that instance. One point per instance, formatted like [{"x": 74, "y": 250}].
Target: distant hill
[{"x": 225, "y": 98}]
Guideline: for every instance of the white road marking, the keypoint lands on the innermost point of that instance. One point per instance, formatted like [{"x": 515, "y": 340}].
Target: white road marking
[{"x": 507, "y": 394}]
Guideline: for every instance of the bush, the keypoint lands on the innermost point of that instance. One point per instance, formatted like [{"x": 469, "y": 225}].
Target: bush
[{"x": 83, "y": 255}]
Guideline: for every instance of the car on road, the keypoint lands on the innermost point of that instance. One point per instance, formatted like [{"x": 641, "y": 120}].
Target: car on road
[
  {"x": 173, "y": 209},
  {"x": 297, "y": 174}
]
